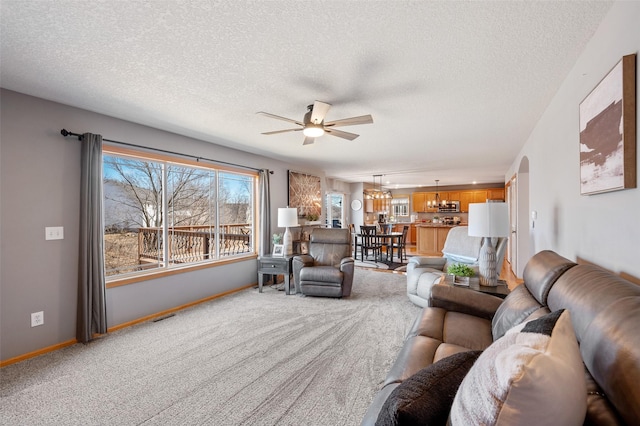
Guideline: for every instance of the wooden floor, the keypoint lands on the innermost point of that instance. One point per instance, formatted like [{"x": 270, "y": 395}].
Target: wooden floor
[{"x": 505, "y": 274}]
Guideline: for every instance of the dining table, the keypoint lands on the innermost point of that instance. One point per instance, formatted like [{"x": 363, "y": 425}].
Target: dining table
[{"x": 384, "y": 239}]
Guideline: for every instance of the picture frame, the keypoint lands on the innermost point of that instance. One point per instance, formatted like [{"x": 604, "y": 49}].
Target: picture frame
[
  {"x": 305, "y": 194},
  {"x": 608, "y": 131},
  {"x": 278, "y": 250}
]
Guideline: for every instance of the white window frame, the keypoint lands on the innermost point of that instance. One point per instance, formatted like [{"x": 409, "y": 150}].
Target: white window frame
[{"x": 169, "y": 268}]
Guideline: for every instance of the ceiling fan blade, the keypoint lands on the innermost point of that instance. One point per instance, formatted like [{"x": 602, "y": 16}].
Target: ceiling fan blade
[
  {"x": 319, "y": 112},
  {"x": 308, "y": 140},
  {"x": 275, "y": 132},
  {"x": 341, "y": 134},
  {"x": 363, "y": 119},
  {"x": 277, "y": 117}
]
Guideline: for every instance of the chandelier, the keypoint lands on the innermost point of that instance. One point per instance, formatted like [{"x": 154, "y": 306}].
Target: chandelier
[
  {"x": 437, "y": 202},
  {"x": 377, "y": 192}
]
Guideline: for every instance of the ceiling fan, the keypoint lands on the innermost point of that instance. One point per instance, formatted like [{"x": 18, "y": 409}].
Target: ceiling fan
[{"x": 313, "y": 124}]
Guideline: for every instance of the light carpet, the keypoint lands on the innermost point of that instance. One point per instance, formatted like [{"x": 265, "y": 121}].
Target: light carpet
[{"x": 244, "y": 359}]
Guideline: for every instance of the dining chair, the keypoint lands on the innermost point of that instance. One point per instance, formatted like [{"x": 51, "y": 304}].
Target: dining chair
[
  {"x": 355, "y": 243},
  {"x": 386, "y": 228},
  {"x": 370, "y": 241},
  {"x": 401, "y": 245}
]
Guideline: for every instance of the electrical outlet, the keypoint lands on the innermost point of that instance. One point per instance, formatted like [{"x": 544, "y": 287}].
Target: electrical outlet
[
  {"x": 54, "y": 233},
  {"x": 37, "y": 318}
]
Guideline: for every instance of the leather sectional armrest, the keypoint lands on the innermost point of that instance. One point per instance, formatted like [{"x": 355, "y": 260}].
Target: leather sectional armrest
[
  {"x": 427, "y": 262},
  {"x": 346, "y": 261},
  {"x": 465, "y": 301},
  {"x": 303, "y": 259}
]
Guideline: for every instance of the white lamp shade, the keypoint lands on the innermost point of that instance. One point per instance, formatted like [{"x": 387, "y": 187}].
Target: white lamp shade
[
  {"x": 287, "y": 216},
  {"x": 488, "y": 220}
]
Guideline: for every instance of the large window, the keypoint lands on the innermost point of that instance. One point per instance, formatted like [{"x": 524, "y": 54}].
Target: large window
[
  {"x": 203, "y": 214},
  {"x": 400, "y": 206}
]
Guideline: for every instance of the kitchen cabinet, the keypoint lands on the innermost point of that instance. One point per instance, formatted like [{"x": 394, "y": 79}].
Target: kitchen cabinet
[
  {"x": 453, "y": 196},
  {"x": 424, "y": 202},
  {"x": 375, "y": 205},
  {"x": 412, "y": 235},
  {"x": 368, "y": 205},
  {"x": 480, "y": 196},
  {"x": 431, "y": 239},
  {"x": 381, "y": 204},
  {"x": 431, "y": 201},
  {"x": 495, "y": 194},
  {"x": 441, "y": 236},
  {"x": 427, "y": 241},
  {"x": 475, "y": 196},
  {"x": 419, "y": 201},
  {"x": 466, "y": 197},
  {"x": 444, "y": 196}
]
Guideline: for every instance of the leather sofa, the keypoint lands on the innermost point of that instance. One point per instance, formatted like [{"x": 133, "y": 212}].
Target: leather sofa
[
  {"x": 604, "y": 311},
  {"x": 423, "y": 272}
]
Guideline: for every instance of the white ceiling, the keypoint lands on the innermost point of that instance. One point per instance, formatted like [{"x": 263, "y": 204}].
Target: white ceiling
[{"x": 454, "y": 87}]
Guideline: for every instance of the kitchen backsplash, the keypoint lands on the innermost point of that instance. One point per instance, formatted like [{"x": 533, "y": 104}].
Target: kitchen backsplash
[
  {"x": 416, "y": 217},
  {"x": 419, "y": 217}
]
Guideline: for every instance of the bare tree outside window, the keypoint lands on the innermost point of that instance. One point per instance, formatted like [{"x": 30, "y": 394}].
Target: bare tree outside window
[{"x": 136, "y": 216}]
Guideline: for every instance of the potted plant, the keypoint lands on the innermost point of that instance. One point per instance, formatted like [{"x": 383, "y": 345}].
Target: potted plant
[
  {"x": 462, "y": 272},
  {"x": 312, "y": 217}
]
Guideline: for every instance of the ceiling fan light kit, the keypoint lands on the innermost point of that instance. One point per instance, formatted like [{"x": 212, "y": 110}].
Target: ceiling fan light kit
[
  {"x": 313, "y": 130},
  {"x": 313, "y": 124}
]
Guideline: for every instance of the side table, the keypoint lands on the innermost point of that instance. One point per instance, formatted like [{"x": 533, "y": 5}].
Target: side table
[
  {"x": 501, "y": 290},
  {"x": 274, "y": 265}
]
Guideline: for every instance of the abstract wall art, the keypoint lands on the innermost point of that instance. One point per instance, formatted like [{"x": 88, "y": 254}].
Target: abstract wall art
[
  {"x": 608, "y": 132},
  {"x": 304, "y": 193}
]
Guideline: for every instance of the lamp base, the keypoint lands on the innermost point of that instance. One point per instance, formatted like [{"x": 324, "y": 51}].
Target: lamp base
[
  {"x": 287, "y": 241},
  {"x": 487, "y": 264}
]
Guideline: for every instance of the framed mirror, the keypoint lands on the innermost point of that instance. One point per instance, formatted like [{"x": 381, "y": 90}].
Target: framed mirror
[{"x": 356, "y": 205}]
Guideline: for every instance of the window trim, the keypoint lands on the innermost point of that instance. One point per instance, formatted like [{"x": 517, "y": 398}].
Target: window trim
[
  {"x": 134, "y": 277},
  {"x": 400, "y": 201},
  {"x": 118, "y": 281}
]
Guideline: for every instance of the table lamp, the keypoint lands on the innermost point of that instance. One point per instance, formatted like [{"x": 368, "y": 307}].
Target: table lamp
[
  {"x": 488, "y": 220},
  {"x": 287, "y": 216}
]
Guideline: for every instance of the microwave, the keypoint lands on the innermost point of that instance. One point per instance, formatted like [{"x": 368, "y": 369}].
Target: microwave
[{"x": 450, "y": 207}]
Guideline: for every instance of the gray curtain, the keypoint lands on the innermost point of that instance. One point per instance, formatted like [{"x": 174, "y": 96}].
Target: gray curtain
[
  {"x": 265, "y": 212},
  {"x": 92, "y": 307}
]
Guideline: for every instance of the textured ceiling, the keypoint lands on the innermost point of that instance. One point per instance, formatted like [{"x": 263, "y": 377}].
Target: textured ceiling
[{"x": 454, "y": 88}]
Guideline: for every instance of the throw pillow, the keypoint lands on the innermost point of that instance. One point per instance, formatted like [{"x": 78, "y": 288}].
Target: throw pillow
[
  {"x": 533, "y": 375},
  {"x": 426, "y": 397}
]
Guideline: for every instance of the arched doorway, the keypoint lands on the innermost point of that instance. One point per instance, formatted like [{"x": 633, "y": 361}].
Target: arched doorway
[
  {"x": 523, "y": 231},
  {"x": 512, "y": 199}
]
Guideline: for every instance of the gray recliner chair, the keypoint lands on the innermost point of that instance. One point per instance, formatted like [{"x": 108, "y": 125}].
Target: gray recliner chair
[
  {"x": 328, "y": 268},
  {"x": 459, "y": 247}
]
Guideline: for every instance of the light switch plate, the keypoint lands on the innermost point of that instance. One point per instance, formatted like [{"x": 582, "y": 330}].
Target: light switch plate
[{"x": 54, "y": 233}]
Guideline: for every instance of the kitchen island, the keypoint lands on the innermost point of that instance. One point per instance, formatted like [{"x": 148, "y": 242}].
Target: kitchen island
[{"x": 430, "y": 238}]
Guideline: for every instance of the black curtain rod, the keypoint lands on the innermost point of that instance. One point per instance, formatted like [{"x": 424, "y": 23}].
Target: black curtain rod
[{"x": 65, "y": 133}]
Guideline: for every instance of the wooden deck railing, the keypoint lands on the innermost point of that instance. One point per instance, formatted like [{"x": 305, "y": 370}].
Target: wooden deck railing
[{"x": 193, "y": 243}]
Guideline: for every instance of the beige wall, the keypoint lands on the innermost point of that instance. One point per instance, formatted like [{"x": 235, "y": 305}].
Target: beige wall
[
  {"x": 39, "y": 180},
  {"x": 603, "y": 228}
]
